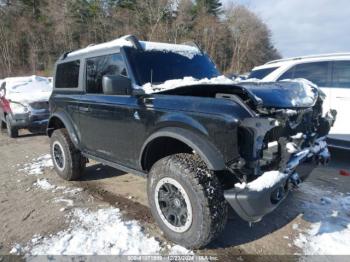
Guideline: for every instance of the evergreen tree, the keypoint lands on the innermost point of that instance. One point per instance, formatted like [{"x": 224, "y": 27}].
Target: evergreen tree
[{"x": 212, "y": 7}]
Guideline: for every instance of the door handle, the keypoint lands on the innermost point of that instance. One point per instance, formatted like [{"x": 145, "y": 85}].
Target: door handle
[{"x": 84, "y": 109}]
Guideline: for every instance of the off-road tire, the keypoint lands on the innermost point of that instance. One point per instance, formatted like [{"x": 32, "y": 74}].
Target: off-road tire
[
  {"x": 11, "y": 131},
  {"x": 209, "y": 208},
  {"x": 74, "y": 161}
]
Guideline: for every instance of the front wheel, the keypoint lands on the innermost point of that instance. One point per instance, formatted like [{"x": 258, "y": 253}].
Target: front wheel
[
  {"x": 186, "y": 200},
  {"x": 68, "y": 161}
]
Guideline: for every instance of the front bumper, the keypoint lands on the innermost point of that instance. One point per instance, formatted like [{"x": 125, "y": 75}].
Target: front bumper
[
  {"x": 252, "y": 205},
  {"x": 32, "y": 121}
]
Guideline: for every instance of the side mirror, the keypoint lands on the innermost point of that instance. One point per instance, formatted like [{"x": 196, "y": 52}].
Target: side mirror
[{"x": 116, "y": 85}]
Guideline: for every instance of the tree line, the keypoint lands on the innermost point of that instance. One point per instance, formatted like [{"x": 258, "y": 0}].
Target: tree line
[{"x": 33, "y": 33}]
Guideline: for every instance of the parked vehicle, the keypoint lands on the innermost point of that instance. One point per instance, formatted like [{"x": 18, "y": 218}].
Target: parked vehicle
[
  {"x": 330, "y": 72},
  {"x": 24, "y": 104},
  {"x": 164, "y": 112}
]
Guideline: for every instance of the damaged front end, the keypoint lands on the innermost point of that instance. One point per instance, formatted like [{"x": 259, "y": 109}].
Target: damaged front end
[{"x": 279, "y": 148}]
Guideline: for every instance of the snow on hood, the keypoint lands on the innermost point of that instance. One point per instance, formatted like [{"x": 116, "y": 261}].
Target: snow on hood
[
  {"x": 186, "y": 81},
  {"x": 28, "y": 89},
  {"x": 292, "y": 93}
]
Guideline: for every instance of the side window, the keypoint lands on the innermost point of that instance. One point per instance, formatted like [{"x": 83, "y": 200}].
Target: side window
[
  {"x": 341, "y": 74},
  {"x": 261, "y": 73},
  {"x": 316, "y": 72},
  {"x": 97, "y": 67},
  {"x": 289, "y": 74},
  {"x": 67, "y": 75}
]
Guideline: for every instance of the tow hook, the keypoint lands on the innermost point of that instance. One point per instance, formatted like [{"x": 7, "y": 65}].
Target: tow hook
[{"x": 295, "y": 179}]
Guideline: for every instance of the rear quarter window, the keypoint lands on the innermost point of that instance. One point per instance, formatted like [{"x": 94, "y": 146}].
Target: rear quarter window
[
  {"x": 341, "y": 74},
  {"x": 67, "y": 75}
]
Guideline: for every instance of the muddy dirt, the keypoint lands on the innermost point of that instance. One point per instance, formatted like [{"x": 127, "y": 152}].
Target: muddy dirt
[{"x": 25, "y": 210}]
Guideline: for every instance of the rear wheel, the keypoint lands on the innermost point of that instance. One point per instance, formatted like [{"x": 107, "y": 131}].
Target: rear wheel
[
  {"x": 186, "y": 200},
  {"x": 68, "y": 161},
  {"x": 11, "y": 131}
]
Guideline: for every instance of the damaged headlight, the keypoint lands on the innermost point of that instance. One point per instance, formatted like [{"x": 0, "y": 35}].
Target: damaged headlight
[{"x": 18, "y": 108}]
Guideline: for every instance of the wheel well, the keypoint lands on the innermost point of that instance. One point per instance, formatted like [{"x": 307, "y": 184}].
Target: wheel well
[
  {"x": 55, "y": 123},
  {"x": 160, "y": 148}
]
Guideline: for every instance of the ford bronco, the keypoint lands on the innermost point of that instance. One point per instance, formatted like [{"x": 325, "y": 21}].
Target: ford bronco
[{"x": 203, "y": 141}]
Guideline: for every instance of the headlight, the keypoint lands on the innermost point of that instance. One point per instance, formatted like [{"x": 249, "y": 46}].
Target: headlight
[{"x": 18, "y": 108}]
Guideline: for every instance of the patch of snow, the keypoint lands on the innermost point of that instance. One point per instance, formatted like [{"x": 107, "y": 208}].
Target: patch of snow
[
  {"x": 180, "y": 250},
  {"x": 319, "y": 146},
  {"x": 38, "y": 165},
  {"x": 298, "y": 136},
  {"x": 72, "y": 191},
  {"x": 295, "y": 226},
  {"x": 266, "y": 180},
  {"x": 184, "y": 50},
  {"x": 69, "y": 202},
  {"x": 291, "y": 147},
  {"x": 119, "y": 42},
  {"x": 16, "y": 250},
  {"x": 329, "y": 232},
  {"x": 186, "y": 81},
  {"x": 44, "y": 184},
  {"x": 101, "y": 232}
]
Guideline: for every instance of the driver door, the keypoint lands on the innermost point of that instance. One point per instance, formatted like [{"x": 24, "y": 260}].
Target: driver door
[{"x": 106, "y": 121}]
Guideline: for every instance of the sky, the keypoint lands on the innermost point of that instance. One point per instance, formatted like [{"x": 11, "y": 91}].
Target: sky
[{"x": 304, "y": 27}]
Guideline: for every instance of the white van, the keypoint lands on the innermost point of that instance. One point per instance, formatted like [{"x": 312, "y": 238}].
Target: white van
[{"x": 331, "y": 72}]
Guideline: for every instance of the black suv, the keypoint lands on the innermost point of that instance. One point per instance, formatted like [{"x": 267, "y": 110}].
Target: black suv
[{"x": 203, "y": 145}]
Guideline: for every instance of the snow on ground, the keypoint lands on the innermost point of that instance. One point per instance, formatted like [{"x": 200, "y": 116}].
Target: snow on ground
[
  {"x": 329, "y": 215},
  {"x": 101, "y": 232},
  {"x": 266, "y": 180},
  {"x": 38, "y": 165},
  {"x": 44, "y": 184}
]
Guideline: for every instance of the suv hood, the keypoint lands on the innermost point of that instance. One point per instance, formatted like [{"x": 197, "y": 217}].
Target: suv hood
[
  {"x": 284, "y": 94},
  {"x": 298, "y": 93}
]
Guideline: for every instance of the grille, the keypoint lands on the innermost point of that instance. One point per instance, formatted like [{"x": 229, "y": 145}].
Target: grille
[{"x": 40, "y": 105}]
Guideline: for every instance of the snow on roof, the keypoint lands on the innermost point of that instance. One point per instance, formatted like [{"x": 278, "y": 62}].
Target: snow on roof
[
  {"x": 119, "y": 42},
  {"x": 186, "y": 50}
]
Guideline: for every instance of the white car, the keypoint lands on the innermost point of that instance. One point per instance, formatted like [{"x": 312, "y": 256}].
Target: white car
[{"x": 331, "y": 72}]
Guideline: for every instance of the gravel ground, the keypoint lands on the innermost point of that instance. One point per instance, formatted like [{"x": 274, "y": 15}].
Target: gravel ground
[{"x": 39, "y": 204}]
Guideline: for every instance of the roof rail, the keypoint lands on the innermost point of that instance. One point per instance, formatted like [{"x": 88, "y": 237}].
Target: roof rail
[
  {"x": 133, "y": 39},
  {"x": 64, "y": 55},
  {"x": 194, "y": 44},
  {"x": 309, "y": 56}
]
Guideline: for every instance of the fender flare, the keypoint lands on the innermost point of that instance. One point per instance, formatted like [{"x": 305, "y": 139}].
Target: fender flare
[
  {"x": 204, "y": 148},
  {"x": 68, "y": 124}
]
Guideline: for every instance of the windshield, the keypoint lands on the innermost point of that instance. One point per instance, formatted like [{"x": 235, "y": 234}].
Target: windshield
[{"x": 159, "y": 66}]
